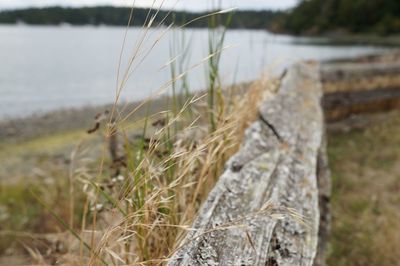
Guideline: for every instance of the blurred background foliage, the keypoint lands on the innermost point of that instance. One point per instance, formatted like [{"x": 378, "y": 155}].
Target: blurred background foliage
[
  {"x": 308, "y": 17},
  {"x": 351, "y": 16}
]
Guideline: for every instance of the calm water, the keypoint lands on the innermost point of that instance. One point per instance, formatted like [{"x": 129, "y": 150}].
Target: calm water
[{"x": 45, "y": 68}]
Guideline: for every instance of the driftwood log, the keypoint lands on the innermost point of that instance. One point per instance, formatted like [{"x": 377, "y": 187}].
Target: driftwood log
[
  {"x": 356, "y": 88},
  {"x": 332, "y": 72},
  {"x": 282, "y": 163},
  {"x": 341, "y": 105}
]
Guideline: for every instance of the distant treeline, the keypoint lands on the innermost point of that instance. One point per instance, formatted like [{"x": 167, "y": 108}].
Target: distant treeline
[
  {"x": 308, "y": 17},
  {"x": 342, "y": 16},
  {"x": 119, "y": 16}
]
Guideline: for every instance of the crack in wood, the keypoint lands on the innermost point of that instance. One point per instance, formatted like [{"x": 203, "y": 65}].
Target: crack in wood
[{"x": 270, "y": 126}]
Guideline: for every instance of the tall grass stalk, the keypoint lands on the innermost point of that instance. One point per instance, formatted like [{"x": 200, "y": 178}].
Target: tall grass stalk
[{"x": 216, "y": 38}]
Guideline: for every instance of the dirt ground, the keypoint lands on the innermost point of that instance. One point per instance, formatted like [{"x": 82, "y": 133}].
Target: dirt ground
[{"x": 364, "y": 157}]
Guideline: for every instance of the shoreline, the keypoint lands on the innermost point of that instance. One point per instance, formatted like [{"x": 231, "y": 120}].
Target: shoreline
[{"x": 14, "y": 130}]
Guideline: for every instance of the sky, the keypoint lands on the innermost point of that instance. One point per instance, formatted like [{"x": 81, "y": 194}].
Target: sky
[{"x": 190, "y": 5}]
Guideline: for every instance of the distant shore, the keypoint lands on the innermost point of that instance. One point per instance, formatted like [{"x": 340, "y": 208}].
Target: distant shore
[
  {"x": 119, "y": 16},
  {"x": 14, "y": 130},
  {"x": 354, "y": 39}
]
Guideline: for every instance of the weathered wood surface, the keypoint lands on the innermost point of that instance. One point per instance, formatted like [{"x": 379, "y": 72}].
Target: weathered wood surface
[
  {"x": 281, "y": 161},
  {"x": 332, "y": 72}
]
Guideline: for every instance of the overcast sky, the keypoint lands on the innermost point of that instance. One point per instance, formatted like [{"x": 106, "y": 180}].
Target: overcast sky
[{"x": 180, "y": 4}]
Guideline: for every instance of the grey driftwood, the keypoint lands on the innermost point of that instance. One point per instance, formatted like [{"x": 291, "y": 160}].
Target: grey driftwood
[{"x": 280, "y": 172}]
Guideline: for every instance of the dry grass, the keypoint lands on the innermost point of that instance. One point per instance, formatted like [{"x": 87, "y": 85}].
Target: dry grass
[
  {"x": 144, "y": 217},
  {"x": 162, "y": 194},
  {"x": 165, "y": 176},
  {"x": 136, "y": 198},
  {"x": 365, "y": 165}
]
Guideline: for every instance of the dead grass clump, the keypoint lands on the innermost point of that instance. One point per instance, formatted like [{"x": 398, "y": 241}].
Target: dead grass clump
[
  {"x": 142, "y": 196},
  {"x": 152, "y": 209}
]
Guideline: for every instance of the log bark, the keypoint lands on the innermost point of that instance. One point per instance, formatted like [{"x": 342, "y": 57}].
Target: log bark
[
  {"x": 249, "y": 217},
  {"x": 324, "y": 190}
]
